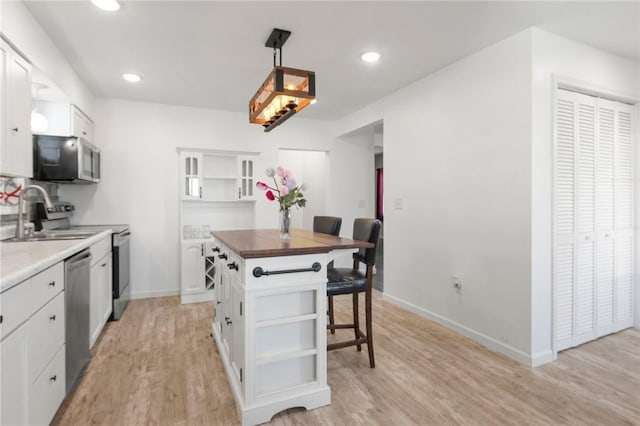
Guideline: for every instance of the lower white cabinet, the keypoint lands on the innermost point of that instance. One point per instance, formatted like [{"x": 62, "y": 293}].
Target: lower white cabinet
[
  {"x": 199, "y": 270},
  {"x": 33, "y": 349},
  {"x": 100, "y": 305}
]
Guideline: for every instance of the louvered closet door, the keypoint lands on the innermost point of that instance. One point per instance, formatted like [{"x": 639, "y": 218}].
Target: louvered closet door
[
  {"x": 585, "y": 217},
  {"x": 593, "y": 207},
  {"x": 564, "y": 229},
  {"x": 623, "y": 285}
]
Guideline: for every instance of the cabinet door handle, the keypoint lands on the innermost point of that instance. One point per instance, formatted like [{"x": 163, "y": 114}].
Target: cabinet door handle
[
  {"x": 104, "y": 264},
  {"x": 223, "y": 256},
  {"x": 52, "y": 318},
  {"x": 52, "y": 284},
  {"x": 232, "y": 265},
  {"x": 53, "y": 378},
  {"x": 2, "y": 318},
  {"x": 216, "y": 249},
  {"x": 200, "y": 192},
  {"x": 84, "y": 133},
  {"x": 218, "y": 302},
  {"x": 228, "y": 321},
  {"x": 15, "y": 129},
  {"x": 202, "y": 249}
]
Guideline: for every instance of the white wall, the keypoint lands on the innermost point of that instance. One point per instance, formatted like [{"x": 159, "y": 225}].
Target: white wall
[
  {"x": 140, "y": 175},
  {"x": 457, "y": 156},
  {"x": 21, "y": 28},
  {"x": 468, "y": 153},
  {"x": 556, "y": 57}
]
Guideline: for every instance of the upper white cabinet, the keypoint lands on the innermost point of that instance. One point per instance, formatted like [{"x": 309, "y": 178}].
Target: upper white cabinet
[
  {"x": 16, "y": 155},
  {"x": 65, "y": 120},
  {"x": 191, "y": 175},
  {"x": 217, "y": 176},
  {"x": 246, "y": 177}
]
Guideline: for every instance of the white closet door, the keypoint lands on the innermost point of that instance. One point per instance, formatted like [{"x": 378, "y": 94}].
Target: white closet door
[
  {"x": 564, "y": 229},
  {"x": 593, "y": 218},
  {"x": 585, "y": 217},
  {"x": 605, "y": 212},
  {"x": 623, "y": 294}
]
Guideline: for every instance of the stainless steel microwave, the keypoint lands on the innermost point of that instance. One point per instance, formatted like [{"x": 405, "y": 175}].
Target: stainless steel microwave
[{"x": 65, "y": 160}]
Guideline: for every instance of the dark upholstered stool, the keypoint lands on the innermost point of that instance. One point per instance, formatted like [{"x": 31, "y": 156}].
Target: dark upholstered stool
[
  {"x": 328, "y": 225},
  {"x": 352, "y": 281}
]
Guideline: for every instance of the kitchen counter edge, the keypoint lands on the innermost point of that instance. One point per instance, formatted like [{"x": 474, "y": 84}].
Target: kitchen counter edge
[{"x": 52, "y": 253}]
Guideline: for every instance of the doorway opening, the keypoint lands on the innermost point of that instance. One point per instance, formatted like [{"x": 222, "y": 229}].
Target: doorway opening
[{"x": 310, "y": 168}]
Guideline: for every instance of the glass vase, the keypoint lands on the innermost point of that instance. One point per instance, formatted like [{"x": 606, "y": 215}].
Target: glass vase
[{"x": 285, "y": 224}]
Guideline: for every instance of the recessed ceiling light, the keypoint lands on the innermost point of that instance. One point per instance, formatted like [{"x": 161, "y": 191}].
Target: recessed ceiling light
[
  {"x": 108, "y": 5},
  {"x": 132, "y": 78},
  {"x": 370, "y": 57},
  {"x": 313, "y": 101}
]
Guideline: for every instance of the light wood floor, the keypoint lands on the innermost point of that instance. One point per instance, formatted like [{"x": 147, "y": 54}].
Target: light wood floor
[{"x": 159, "y": 366}]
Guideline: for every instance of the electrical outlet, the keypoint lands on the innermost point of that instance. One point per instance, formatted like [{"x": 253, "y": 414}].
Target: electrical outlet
[{"x": 457, "y": 283}]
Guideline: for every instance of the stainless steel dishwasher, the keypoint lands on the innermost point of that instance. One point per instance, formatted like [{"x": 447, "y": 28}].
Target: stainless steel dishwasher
[{"x": 76, "y": 303}]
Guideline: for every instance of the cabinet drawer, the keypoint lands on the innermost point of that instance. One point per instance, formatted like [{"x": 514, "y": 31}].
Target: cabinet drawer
[
  {"x": 15, "y": 307},
  {"x": 100, "y": 249},
  {"x": 46, "y": 285},
  {"x": 45, "y": 335},
  {"x": 47, "y": 392}
]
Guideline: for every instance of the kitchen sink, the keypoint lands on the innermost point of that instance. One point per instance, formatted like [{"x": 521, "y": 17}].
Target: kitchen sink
[{"x": 53, "y": 236}]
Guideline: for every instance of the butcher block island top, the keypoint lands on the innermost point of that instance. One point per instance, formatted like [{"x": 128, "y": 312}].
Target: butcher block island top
[{"x": 257, "y": 243}]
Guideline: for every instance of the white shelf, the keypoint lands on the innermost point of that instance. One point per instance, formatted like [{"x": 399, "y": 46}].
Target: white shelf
[
  {"x": 285, "y": 320},
  {"x": 221, "y": 177},
  {"x": 284, "y": 356},
  {"x": 219, "y": 201}
]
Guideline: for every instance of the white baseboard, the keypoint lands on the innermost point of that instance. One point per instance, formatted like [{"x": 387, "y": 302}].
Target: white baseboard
[
  {"x": 488, "y": 342},
  {"x": 154, "y": 293}
]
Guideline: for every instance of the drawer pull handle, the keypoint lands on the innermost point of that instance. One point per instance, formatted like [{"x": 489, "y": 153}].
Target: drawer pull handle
[
  {"x": 216, "y": 250},
  {"x": 2, "y": 317},
  {"x": 53, "y": 378},
  {"x": 232, "y": 265},
  {"x": 218, "y": 302},
  {"x": 52, "y": 318},
  {"x": 258, "y": 271},
  {"x": 223, "y": 256},
  {"x": 52, "y": 284},
  {"x": 228, "y": 320},
  {"x": 104, "y": 264},
  {"x": 15, "y": 129}
]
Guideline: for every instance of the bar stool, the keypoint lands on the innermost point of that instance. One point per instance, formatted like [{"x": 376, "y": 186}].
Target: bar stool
[
  {"x": 352, "y": 281},
  {"x": 328, "y": 225}
]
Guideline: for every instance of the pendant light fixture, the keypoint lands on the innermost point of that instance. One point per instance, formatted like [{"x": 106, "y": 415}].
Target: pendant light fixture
[{"x": 284, "y": 92}]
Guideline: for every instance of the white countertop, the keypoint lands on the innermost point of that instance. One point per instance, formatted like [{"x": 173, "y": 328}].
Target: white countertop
[{"x": 19, "y": 261}]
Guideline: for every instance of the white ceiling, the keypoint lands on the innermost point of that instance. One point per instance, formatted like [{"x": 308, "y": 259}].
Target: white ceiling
[{"x": 211, "y": 54}]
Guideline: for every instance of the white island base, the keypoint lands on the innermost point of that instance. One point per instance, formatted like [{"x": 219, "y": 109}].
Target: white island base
[{"x": 270, "y": 332}]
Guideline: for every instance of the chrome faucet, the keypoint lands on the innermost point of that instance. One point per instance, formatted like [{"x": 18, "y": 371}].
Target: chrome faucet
[{"x": 47, "y": 201}]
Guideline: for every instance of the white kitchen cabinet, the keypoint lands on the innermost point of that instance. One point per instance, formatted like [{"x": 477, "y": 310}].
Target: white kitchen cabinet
[
  {"x": 16, "y": 156},
  {"x": 191, "y": 175},
  {"x": 15, "y": 385},
  {"x": 199, "y": 271},
  {"x": 217, "y": 176},
  {"x": 100, "y": 304},
  {"x": 246, "y": 180},
  {"x": 65, "y": 120},
  {"x": 33, "y": 348}
]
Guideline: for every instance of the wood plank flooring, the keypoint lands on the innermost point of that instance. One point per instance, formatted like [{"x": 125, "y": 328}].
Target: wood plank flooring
[{"x": 159, "y": 366}]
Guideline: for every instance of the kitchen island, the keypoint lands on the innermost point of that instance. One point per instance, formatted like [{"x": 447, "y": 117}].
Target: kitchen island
[{"x": 270, "y": 318}]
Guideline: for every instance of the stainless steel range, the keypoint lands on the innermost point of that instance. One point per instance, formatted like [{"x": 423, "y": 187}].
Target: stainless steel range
[{"x": 58, "y": 218}]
